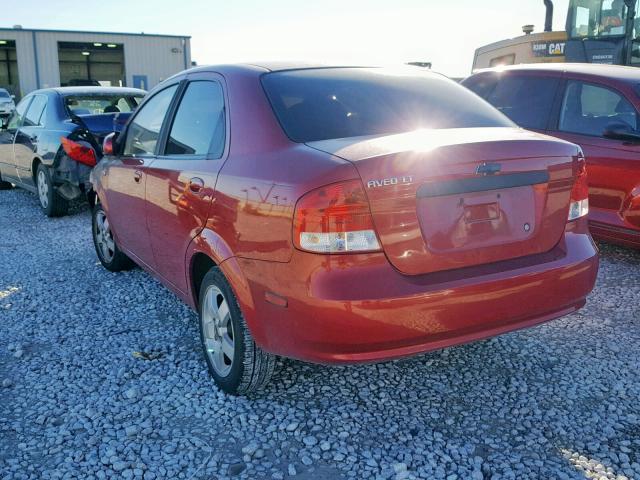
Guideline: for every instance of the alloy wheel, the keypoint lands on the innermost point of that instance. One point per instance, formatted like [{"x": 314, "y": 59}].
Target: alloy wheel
[
  {"x": 104, "y": 239},
  {"x": 217, "y": 329},
  {"x": 43, "y": 189}
]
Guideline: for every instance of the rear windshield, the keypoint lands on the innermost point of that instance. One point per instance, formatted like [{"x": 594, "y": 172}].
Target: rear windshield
[
  {"x": 322, "y": 104},
  {"x": 97, "y": 104}
]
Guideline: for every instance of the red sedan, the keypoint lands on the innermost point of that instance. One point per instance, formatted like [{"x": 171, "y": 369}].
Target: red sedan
[
  {"x": 594, "y": 106},
  {"x": 340, "y": 215}
]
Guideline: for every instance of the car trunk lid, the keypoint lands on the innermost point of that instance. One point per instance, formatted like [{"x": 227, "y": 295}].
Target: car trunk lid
[{"x": 447, "y": 199}]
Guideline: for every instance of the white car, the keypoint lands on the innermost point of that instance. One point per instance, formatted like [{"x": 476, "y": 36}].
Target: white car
[{"x": 7, "y": 105}]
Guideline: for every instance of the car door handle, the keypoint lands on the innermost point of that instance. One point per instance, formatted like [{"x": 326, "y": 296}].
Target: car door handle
[
  {"x": 196, "y": 185},
  {"x": 137, "y": 176}
]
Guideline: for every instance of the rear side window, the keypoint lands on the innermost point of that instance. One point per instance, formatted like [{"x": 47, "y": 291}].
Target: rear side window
[
  {"x": 321, "y": 104},
  {"x": 144, "y": 130},
  {"x": 36, "y": 113},
  {"x": 589, "y": 109},
  {"x": 199, "y": 124},
  {"x": 528, "y": 101}
]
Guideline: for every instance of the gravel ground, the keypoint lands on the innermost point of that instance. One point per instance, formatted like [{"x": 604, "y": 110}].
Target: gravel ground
[{"x": 101, "y": 375}]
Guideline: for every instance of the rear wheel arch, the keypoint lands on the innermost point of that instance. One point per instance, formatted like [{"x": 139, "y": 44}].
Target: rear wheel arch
[
  {"x": 201, "y": 263},
  {"x": 34, "y": 169}
]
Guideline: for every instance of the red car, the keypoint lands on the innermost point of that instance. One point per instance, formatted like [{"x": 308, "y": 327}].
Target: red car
[
  {"x": 341, "y": 215},
  {"x": 594, "y": 106}
]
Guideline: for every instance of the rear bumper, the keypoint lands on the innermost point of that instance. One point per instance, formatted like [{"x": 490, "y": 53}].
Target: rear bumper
[
  {"x": 71, "y": 177},
  {"x": 350, "y": 309}
]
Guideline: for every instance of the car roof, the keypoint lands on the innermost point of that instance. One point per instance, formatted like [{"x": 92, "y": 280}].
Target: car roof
[
  {"x": 263, "y": 66},
  {"x": 612, "y": 72},
  {"x": 89, "y": 90}
]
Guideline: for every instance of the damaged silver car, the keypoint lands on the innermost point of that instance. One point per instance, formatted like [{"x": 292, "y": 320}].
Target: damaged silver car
[{"x": 54, "y": 137}]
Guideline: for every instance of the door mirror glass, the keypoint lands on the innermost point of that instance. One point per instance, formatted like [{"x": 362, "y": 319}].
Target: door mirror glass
[
  {"x": 621, "y": 131},
  {"x": 109, "y": 144}
]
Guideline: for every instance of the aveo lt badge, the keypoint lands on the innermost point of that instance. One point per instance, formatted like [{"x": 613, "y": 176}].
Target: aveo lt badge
[{"x": 385, "y": 182}]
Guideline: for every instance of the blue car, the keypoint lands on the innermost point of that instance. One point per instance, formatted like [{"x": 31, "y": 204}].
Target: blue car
[{"x": 54, "y": 137}]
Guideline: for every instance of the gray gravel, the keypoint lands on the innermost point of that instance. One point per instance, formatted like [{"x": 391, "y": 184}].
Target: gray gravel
[{"x": 77, "y": 401}]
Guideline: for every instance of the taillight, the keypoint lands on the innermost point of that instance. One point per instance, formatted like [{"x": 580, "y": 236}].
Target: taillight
[
  {"x": 335, "y": 219},
  {"x": 579, "y": 206},
  {"x": 78, "y": 152}
]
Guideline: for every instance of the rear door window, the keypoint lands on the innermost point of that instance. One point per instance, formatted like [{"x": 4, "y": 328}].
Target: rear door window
[
  {"x": 527, "y": 100},
  {"x": 36, "y": 114},
  {"x": 589, "y": 109},
  {"x": 18, "y": 115},
  {"x": 199, "y": 124},
  {"x": 144, "y": 131}
]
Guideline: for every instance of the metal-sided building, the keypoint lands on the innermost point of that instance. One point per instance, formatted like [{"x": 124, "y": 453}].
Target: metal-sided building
[{"x": 33, "y": 59}]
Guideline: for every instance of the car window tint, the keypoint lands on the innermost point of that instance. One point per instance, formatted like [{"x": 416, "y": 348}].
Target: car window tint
[
  {"x": 588, "y": 109},
  {"x": 326, "y": 103},
  {"x": 18, "y": 115},
  {"x": 525, "y": 100},
  {"x": 199, "y": 124},
  {"x": 35, "y": 114},
  {"x": 482, "y": 84},
  {"x": 144, "y": 130}
]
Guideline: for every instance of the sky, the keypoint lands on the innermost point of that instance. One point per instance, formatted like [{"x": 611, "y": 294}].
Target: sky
[{"x": 353, "y": 32}]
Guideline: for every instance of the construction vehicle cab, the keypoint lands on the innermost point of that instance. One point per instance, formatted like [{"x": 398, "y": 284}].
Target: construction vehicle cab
[{"x": 603, "y": 31}]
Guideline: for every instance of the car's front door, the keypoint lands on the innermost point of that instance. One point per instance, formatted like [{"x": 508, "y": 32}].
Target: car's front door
[
  {"x": 7, "y": 139},
  {"x": 182, "y": 179},
  {"x": 127, "y": 176},
  {"x": 26, "y": 140},
  {"x": 613, "y": 166}
]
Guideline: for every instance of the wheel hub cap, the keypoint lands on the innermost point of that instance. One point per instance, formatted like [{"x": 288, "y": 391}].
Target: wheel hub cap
[
  {"x": 218, "y": 331},
  {"x": 43, "y": 189},
  {"x": 104, "y": 239}
]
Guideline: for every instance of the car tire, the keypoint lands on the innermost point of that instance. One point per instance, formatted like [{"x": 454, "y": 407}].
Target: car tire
[
  {"x": 50, "y": 201},
  {"x": 5, "y": 185},
  {"x": 235, "y": 362},
  {"x": 109, "y": 254}
]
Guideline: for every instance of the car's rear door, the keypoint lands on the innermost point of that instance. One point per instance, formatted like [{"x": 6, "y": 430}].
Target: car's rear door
[
  {"x": 7, "y": 139},
  {"x": 127, "y": 175},
  {"x": 27, "y": 137},
  {"x": 181, "y": 181},
  {"x": 613, "y": 166}
]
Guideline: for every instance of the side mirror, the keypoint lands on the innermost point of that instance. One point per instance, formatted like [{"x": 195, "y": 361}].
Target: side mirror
[
  {"x": 109, "y": 144},
  {"x": 13, "y": 97},
  {"x": 621, "y": 131}
]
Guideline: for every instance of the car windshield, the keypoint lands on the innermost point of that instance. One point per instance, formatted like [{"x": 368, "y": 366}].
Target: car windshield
[
  {"x": 328, "y": 103},
  {"x": 98, "y": 104},
  {"x": 597, "y": 18},
  {"x": 4, "y": 94}
]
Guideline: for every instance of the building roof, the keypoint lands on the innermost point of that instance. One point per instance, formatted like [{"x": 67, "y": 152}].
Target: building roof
[
  {"x": 614, "y": 72},
  {"x": 139, "y": 34}
]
